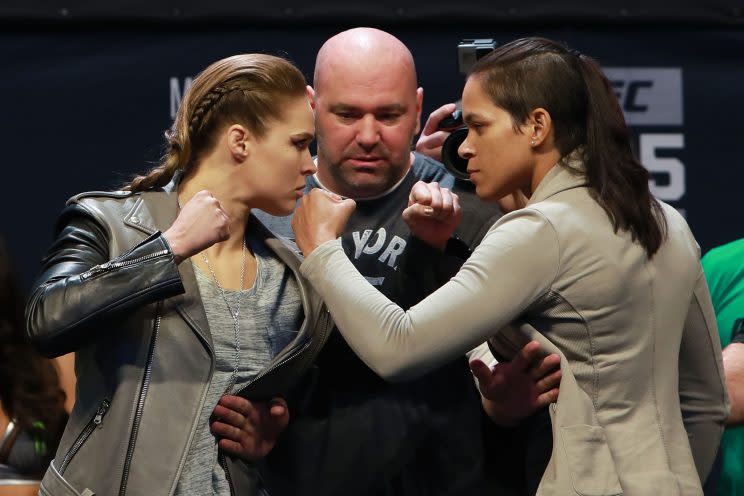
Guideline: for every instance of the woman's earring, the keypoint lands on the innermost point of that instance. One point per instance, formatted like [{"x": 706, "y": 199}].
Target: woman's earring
[{"x": 533, "y": 143}]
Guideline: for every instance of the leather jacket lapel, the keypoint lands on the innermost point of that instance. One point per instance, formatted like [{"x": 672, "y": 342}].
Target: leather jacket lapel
[
  {"x": 191, "y": 308},
  {"x": 156, "y": 211},
  {"x": 292, "y": 259}
]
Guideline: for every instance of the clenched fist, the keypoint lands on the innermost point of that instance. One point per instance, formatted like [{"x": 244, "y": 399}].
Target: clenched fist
[
  {"x": 321, "y": 217},
  {"x": 433, "y": 213},
  {"x": 201, "y": 223}
]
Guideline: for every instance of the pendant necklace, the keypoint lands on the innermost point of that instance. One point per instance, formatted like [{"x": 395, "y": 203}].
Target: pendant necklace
[{"x": 234, "y": 314}]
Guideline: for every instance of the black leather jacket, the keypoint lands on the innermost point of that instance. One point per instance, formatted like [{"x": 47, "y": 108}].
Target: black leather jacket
[{"x": 111, "y": 291}]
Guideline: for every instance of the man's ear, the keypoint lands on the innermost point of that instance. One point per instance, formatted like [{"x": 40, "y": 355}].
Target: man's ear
[
  {"x": 419, "y": 107},
  {"x": 311, "y": 96},
  {"x": 239, "y": 142}
]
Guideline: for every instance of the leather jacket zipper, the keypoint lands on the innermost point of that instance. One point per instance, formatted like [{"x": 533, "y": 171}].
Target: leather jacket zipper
[
  {"x": 140, "y": 404},
  {"x": 111, "y": 265},
  {"x": 85, "y": 434},
  {"x": 324, "y": 330},
  {"x": 223, "y": 462},
  {"x": 327, "y": 316}
]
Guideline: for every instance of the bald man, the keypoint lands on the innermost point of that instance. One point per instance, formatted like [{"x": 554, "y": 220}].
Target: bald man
[
  {"x": 368, "y": 109},
  {"x": 352, "y": 433}
]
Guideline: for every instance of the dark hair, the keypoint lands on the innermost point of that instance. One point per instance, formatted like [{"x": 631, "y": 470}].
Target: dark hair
[
  {"x": 29, "y": 386},
  {"x": 248, "y": 89},
  {"x": 530, "y": 73}
]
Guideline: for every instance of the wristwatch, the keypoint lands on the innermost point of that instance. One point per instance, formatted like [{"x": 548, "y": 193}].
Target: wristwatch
[{"x": 458, "y": 248}]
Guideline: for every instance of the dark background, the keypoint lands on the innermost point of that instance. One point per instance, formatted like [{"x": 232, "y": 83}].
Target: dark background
[{"x": 87, "y": 88}]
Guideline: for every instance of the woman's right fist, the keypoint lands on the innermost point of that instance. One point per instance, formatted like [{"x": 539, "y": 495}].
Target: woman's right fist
[{"x": 201, "y": 223}]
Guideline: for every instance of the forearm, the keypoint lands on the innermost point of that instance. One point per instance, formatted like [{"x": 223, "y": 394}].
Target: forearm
[
  {"x": 468, "y": 309},
  {"x": 356, "y": 304},
  {"x": 733, "y": 365},
  {"x": 80, "y": 285}
]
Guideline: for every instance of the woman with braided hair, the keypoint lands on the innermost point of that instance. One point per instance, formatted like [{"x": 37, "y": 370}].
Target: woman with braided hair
[{"x": 176, "y": 299}]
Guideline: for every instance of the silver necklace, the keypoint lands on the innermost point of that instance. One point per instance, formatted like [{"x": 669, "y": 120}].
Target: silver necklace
[{"x": 235, "y": 314}]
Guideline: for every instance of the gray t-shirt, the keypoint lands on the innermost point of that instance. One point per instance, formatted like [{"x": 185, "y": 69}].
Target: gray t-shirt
[{"x": 270, "y": 316}]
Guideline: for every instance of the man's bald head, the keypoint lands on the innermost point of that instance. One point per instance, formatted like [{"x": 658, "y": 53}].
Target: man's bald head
[
  {"x": 368, "y": 51},
  {"x": 367, "y": 111}
]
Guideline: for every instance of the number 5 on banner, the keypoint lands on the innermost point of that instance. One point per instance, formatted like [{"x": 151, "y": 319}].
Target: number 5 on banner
[{"x": 672, "y": 167}]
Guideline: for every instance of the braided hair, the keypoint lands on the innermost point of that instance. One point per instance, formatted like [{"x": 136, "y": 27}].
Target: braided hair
[{"x": 249, "y": 89}]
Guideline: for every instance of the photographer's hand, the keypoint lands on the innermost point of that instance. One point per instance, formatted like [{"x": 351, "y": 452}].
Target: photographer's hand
[{"x": 431, "y": 139}]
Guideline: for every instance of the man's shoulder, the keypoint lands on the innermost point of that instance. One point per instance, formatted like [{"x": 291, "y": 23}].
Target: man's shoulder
[
  {"x": 728, "y": 255},
  {"x": 724, "y": 271},
  {"x": 429, "y": 170}
]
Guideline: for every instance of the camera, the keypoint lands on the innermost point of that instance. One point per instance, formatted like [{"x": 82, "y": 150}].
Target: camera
[
  {"x": 453, "y": 162},
  {"x": 468, "y": 52}
]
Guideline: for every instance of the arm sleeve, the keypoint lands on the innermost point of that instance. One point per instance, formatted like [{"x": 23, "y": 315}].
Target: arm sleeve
[
  {"x": 515, "y": 264},
  {"x": 702, "y": 386},
  {"x": 80, "y": 285}
]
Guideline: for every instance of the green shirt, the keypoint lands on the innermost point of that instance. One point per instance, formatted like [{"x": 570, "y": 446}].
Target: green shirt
[{"x": 724, "y": 271}]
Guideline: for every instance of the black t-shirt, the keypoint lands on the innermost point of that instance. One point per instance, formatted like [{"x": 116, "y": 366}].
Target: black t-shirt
[
  {"x": 376, "y": 238},
  {"x": 358, "y": 434}
]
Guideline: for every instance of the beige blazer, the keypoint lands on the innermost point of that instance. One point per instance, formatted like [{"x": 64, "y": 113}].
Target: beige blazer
[{"x": 642, "y": 399}]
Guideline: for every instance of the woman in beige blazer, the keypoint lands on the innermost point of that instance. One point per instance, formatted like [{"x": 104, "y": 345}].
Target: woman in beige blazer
[{"x": 609, "y": 275}]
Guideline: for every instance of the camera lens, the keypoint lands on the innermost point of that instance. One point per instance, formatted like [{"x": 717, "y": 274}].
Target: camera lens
[{"x": 455, "y": 164}]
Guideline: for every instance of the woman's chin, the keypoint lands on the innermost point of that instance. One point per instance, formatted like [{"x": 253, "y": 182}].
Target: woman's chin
[
  {"x": 280, "y": 209},
  {"x": 482, "y": 192}
]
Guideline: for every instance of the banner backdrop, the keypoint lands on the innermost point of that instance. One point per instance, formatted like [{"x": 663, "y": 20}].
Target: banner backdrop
[
  {"x": 720, "y": 12},
  {"x": 84, "y": 109}
]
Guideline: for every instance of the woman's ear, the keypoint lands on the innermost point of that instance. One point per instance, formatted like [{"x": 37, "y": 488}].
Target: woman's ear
[
  {"x": 539, "y": 126},
  {"x": 239, "y": 141}
]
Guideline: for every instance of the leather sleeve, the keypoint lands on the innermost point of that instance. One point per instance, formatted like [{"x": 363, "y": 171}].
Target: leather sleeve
[{"x": 80, "y": 285}]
